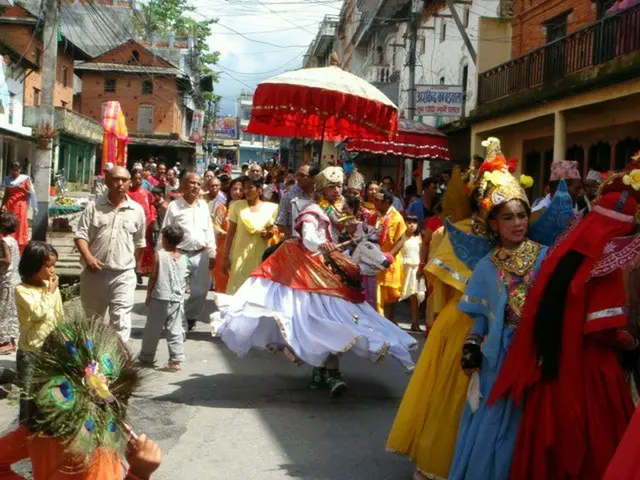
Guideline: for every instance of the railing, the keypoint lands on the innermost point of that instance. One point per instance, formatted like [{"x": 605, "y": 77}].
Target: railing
[
  {"x": 608, "y": 38},
  {"x": 379, "y": 73},
  {"x": 67, "y": 121}
]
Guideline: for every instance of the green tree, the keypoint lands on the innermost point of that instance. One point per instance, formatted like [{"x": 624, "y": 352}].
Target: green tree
[{"x": 163, "y": 17}]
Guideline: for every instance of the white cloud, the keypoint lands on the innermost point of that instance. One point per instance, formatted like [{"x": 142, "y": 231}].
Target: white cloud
[{"x": 276, "y": 23}]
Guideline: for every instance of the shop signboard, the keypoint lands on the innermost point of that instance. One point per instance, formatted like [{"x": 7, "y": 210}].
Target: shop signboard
[
  {"x": 439, "y": 100},
  {"x": 225, "y": 128}
]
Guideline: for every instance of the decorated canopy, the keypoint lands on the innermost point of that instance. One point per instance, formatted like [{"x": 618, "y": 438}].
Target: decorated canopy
[
  {"x": 321, "y": 103},
  {"x": 412, "y": 140},
  {"x": 115, "y": 137}
]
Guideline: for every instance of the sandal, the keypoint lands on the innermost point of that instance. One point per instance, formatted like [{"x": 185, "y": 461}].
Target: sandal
[
  {"x": 7, "y": 349},
  {"x": 416, "y": 328},
  {"x": 174, "y": 367}
]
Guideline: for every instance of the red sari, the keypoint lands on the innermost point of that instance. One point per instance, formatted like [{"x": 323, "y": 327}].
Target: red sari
[
  {"x": 145, "y": 198},
  {"x": 17, "y": 202}
]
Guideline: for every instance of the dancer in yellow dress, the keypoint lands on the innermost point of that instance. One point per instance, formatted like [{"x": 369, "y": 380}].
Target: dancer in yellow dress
[{"x": 426, "y": 425}]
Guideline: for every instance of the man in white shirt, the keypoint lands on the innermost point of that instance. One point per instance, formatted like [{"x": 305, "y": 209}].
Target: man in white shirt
[{"x": 199, "y": 243}]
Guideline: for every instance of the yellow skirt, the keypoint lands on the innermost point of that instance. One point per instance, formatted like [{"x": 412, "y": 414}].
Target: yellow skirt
[{"x": 426, "y": 426}]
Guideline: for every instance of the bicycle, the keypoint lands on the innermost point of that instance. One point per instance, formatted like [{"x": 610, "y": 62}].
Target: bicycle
[{"x": 61, "y": 183}]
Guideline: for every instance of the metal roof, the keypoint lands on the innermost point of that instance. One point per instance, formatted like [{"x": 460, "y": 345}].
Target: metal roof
[{"x": 119, "y": 67}]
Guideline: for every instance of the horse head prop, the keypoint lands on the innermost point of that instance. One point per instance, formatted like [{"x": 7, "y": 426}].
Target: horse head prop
[{"x": 370, "y": 258}]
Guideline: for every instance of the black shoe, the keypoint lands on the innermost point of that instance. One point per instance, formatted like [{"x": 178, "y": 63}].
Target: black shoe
[
  {"x": 191, "y": 324},
  {"x": 337, "y": 386},
  {"x": 318, "y": 379},
  {"x": 139, "y": 278}
]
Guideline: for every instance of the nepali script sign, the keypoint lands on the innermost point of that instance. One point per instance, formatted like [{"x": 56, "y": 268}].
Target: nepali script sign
[{"x": 439, "y": 100}]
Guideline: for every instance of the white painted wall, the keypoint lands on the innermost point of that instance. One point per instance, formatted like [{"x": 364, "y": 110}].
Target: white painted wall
[
  {"x": 447, "y": 58},
  {"x": 12, "y": 89}
]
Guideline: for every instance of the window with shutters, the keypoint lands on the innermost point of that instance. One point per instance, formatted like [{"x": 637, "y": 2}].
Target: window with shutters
[{"x": 145, "y": 119}]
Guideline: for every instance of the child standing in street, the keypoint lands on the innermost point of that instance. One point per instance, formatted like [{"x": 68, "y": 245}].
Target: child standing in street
[
  {"x": 413, "y": 287},
  {"x": 165, "y": 299},
  {"x": 9, "y": 280},
  {"x": 39, "y": 306}
]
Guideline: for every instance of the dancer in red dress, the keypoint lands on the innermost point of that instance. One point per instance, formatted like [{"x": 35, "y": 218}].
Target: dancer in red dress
[
  {"x": 146, "y": 199},
  {"x": 18, "y": 196},
  {"x": 565, "y": 361}
]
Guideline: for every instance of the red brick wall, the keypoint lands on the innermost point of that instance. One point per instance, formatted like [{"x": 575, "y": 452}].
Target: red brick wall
[
  {"x": 529, "y": 15},
  {"x": 122, "y": 54},
  {"x": 167, "y": 116},
  {"x": 21, "y": 39}
]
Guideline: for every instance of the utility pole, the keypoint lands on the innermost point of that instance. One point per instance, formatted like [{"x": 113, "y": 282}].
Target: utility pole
[
  {"x": 417, "y": 9},
  {"x": 42, "y": 170}
]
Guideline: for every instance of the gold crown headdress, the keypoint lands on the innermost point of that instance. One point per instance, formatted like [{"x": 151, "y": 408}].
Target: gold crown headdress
[
  {"x": 495, "y": 181},
  {"x": 356, "y": 180}
]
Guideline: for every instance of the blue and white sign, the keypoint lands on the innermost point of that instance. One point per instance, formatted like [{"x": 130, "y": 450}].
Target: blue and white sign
[{"x": 439, "y": 100}]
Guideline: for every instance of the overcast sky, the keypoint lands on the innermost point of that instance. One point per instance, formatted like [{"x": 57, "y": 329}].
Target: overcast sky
[{"x": 278, "y": 33}]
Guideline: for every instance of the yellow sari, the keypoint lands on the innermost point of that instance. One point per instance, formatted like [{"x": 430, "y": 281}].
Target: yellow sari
[
  {"x": 426, "y": 426},
  {"x": 248, "y": 245}
]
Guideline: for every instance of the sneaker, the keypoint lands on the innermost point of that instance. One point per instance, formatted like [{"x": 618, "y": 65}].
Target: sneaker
[
  {"x": 337, "y": 386},
  {"x": 318, "y": 379}
]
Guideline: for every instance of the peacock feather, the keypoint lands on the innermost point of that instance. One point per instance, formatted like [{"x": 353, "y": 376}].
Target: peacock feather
[{"x": 83, "y": 379}]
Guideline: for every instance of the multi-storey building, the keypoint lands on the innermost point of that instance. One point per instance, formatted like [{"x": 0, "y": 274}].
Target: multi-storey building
[
  {"x": 252, "y": 148},
  {"x": 154, "y": 94},
  {"x": 567, "y": 89},
  {"x": 323, "y": 45},
  {"x": 23, "y": 47}
]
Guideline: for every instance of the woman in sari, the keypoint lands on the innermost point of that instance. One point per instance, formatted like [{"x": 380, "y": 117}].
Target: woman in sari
[
  {"x": 220, "y": 217},
  {"x": 18, "y": 197},
  {"x": 251, "y": 226},
  {"x": 145, "y": 199},
  {"x": 368, "y": 211}
]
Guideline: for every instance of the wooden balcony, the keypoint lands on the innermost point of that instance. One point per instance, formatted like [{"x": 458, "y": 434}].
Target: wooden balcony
[{"x": 557, "y": 62}]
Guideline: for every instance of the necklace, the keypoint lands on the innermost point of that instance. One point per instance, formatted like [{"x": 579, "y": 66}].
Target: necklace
[{"x": 517, "y": 260}]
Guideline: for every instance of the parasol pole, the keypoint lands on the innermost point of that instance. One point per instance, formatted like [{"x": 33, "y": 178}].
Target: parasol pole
[{"x": 324, "y": 125}]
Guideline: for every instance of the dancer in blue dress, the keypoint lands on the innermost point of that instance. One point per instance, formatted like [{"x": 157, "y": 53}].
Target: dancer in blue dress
[{"x": 494, "y": 298}]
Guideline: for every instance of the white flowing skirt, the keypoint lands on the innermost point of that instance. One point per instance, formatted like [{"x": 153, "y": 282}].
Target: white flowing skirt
[{"x": 267, "y": 315}]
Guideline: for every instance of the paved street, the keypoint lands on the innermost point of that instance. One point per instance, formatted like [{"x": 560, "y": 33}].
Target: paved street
[{"x": 229, "y": 418}]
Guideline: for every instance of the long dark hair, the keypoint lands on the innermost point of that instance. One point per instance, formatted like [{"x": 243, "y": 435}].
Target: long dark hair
[
  {"x": 547, "y": 330},
  {"x": 239, "y": 180}
]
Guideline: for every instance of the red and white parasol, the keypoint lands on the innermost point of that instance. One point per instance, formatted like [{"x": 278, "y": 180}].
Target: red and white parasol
[
  {"x": 322, "y": 103},
  {"x": 412, "y": 140}
]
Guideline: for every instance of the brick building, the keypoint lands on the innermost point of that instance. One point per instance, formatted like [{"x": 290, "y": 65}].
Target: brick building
[
  {"x": 22, "y": 47},
  {"x": 568, "y": 89},
  {"x": 152, "y": 93}
]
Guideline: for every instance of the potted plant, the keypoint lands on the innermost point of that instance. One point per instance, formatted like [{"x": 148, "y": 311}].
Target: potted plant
[{"x": 44, "y": 133}]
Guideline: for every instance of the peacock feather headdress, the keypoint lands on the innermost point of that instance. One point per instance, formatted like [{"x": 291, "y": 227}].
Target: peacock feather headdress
[
  {"x": 83, "y": 378},
  {"x": 495, "y": 181}
]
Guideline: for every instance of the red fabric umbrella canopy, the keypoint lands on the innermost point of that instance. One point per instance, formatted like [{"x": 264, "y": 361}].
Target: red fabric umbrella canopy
[
  {"x": 321, "y": 103},
  {"x": 412, "y": 140}
]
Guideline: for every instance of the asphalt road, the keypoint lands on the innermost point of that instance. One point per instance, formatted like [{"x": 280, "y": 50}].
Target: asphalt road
[{"x": 228, "y": 418}]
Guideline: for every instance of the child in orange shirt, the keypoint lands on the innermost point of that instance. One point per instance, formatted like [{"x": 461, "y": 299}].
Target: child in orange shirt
[{"x": 81, "y": 383}]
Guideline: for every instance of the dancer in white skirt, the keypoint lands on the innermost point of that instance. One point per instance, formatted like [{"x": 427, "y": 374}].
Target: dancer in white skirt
[{"x": 306, "y": 299}]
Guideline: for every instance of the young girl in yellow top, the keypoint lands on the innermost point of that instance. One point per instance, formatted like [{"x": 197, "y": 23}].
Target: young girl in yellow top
[{"x": 39, "y": 310}]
